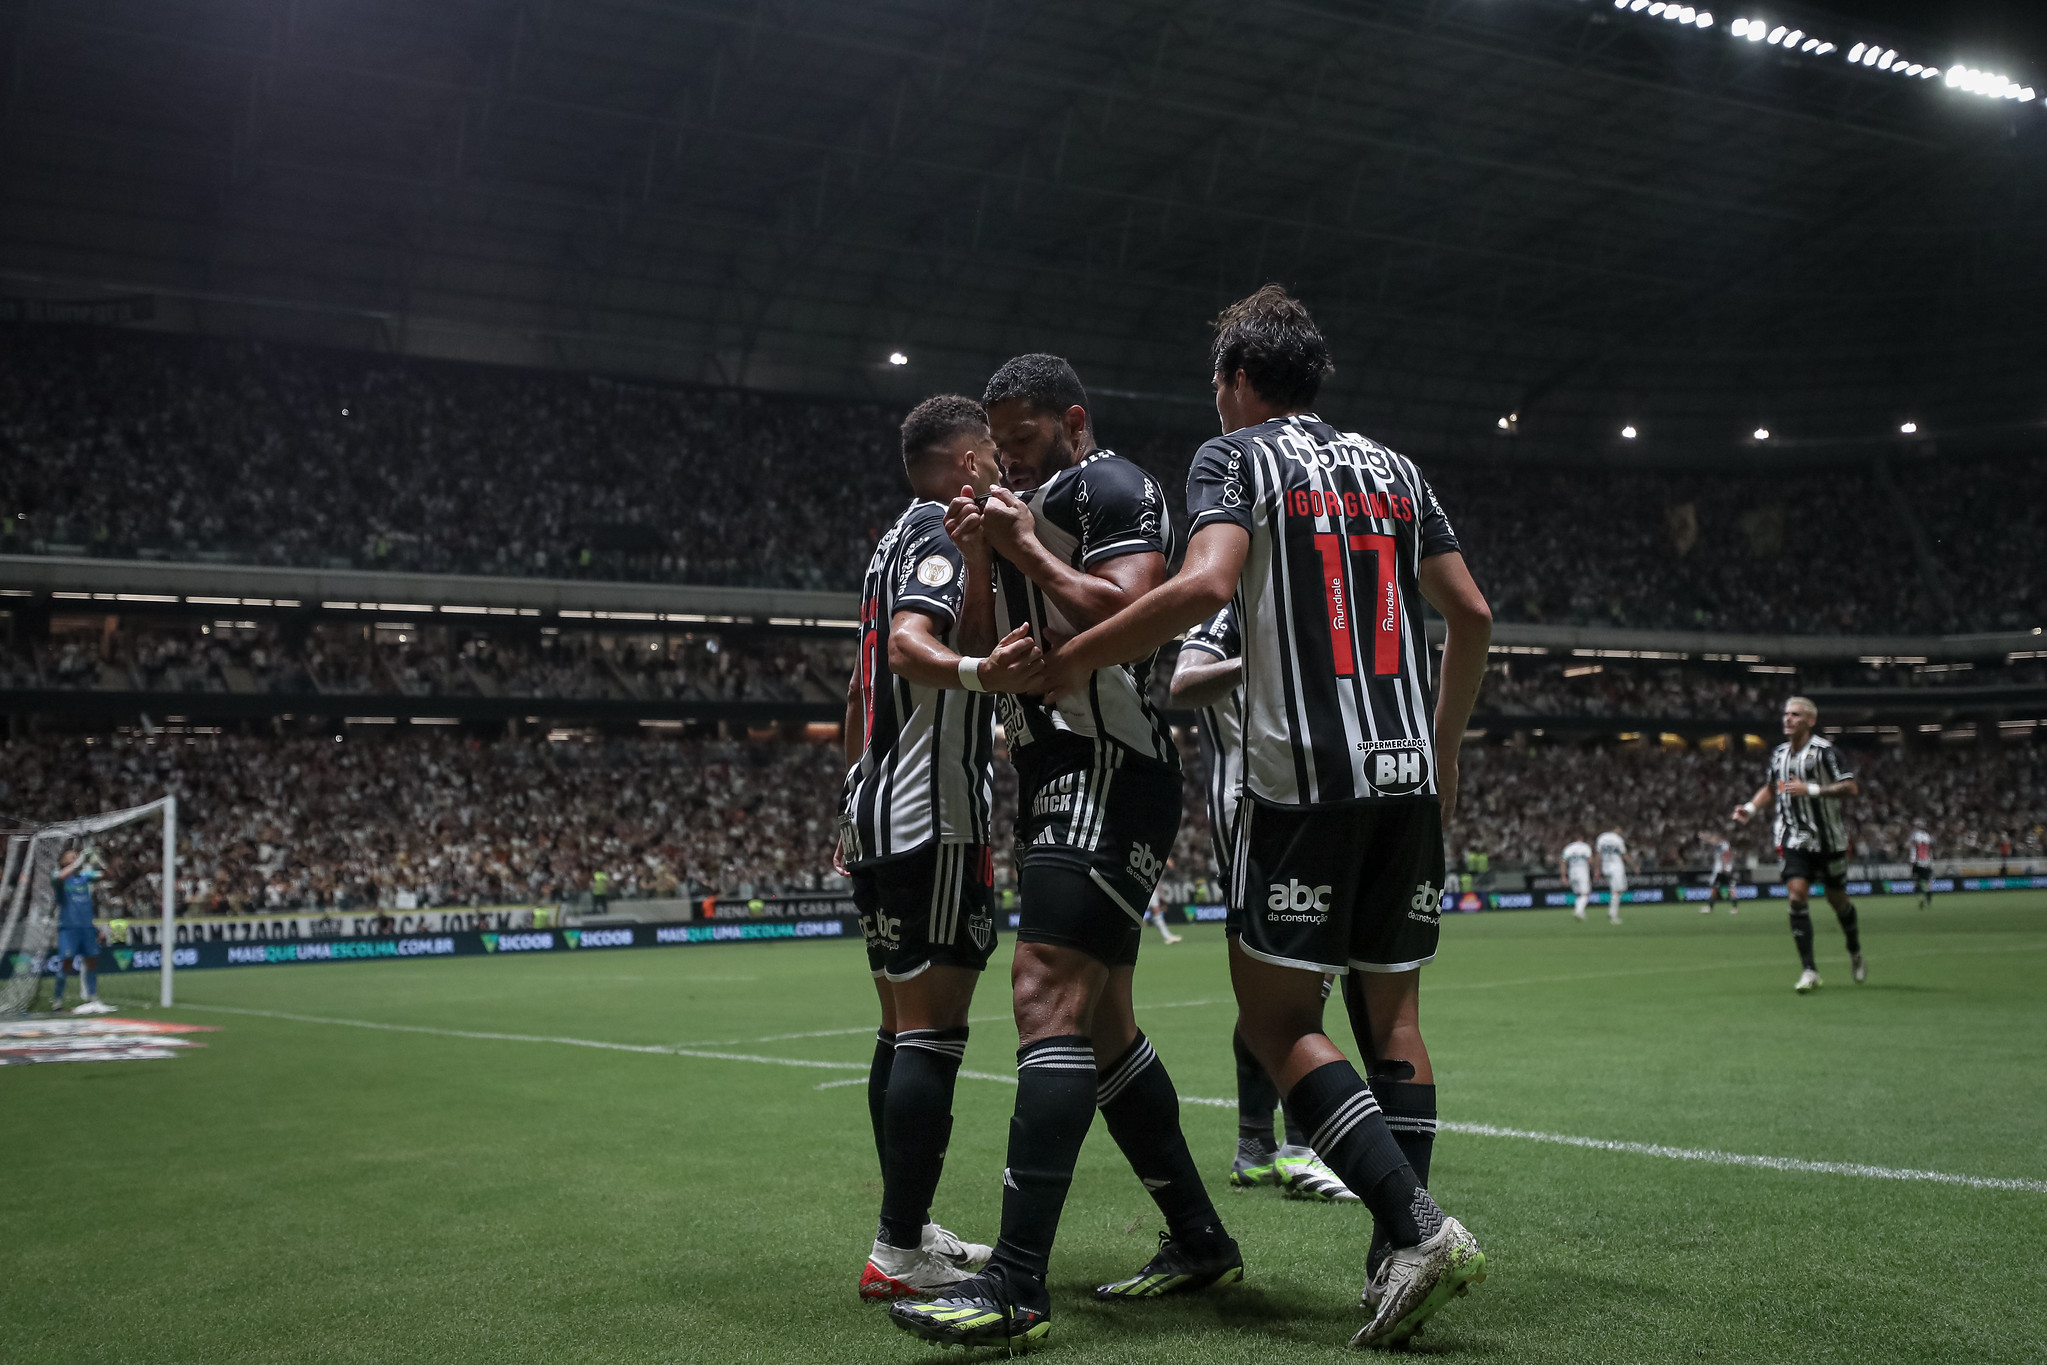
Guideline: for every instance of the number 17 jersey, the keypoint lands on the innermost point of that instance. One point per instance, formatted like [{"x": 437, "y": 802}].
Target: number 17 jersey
[{"x": 1339, "y": 692}]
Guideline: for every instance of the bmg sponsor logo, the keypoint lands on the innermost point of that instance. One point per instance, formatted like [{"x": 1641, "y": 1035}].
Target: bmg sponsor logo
[{"x": 1297, "y": 903}]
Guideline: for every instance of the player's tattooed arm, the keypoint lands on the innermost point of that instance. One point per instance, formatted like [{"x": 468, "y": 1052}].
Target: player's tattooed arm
[
  {"x": 916, "y": 653},
  {"x": 1468, "y": 630},
  {"x": 1085, "y": 597}
]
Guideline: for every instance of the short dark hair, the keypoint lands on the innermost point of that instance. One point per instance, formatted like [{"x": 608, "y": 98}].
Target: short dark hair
[
  {"x": 939, "y": 419},
  {"x": 1271, "y": 338},
  {"x": 1045, "y": 382}
]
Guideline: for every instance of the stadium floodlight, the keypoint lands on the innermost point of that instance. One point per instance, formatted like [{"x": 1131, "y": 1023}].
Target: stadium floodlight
[
  {"x": 1776, "y": 34},
  {"x": 1855, "y": 52},
  {"x": 1762, "y": 433},
  {"x": 1823, "y": 49},
  {"x": 1705, "y": 19},
  {"x": 898, "y": 358},
  {"x": 1908, "y": 428},
  {"x": 1628, "y": 433}
]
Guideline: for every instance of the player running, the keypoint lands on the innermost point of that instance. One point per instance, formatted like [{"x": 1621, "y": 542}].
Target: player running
[
  {"x": 1209, "y": 677},
  {"x": 78, "y": 939},
  {"x": 1575, "y": 863},
  {"x": 1922, "y": 866},
  {"x": 914, "y": 829},
  {"x": 1078, "y": 534},
  {"x": 1723, "y": 876},
  {"x": 1328, "y": 543},
  {"x": 1807, "y": 782},
  {"x": 1613, "y": 866}
]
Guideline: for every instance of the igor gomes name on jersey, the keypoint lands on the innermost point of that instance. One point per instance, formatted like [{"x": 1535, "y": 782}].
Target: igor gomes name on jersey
[{"x": 1338, "y": 680}]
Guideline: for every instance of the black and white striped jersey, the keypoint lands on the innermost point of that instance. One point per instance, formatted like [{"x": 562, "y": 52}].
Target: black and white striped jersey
[
  {"x": 1338, "y": 680},
  {"x": 1098, "y": 510},
  {"x": 925, "y": 771},
  {"x": 1812, "y": 823},
  {"x": 1222, "y": 733}
]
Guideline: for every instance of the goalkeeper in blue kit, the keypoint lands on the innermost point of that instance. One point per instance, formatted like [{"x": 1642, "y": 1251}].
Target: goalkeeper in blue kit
[{"x": 77, "y": 937}]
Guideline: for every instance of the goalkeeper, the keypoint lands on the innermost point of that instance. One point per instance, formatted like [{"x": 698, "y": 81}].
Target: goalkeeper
[{"x": 77, "y": 938}]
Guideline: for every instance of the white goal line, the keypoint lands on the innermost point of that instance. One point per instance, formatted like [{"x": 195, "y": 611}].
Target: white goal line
[{"x": 1487, "y": 1130}]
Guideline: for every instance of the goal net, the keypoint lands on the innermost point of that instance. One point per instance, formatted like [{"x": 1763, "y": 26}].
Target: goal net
[{"x": 28, "y": 897}]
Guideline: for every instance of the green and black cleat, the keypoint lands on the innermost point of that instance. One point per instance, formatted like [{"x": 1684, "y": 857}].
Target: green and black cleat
[
  {"x": 1180, "y": 1269},
  {"x": 1254, "y": 1166},
  {"x": 976, "y": 1312}
]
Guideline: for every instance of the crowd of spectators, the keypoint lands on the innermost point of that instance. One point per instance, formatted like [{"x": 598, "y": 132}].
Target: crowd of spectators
[{"x": 127, "y": 443}]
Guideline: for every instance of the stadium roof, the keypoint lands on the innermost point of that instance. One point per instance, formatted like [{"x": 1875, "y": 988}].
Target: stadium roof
[{"x": 1566, "y": 210}]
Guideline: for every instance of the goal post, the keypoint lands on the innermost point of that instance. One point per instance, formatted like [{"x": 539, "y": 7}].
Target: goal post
[{"x": 28, "y": 902}]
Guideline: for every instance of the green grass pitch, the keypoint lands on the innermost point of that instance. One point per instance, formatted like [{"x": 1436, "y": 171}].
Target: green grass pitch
[{"x": 311, "y": 1191}]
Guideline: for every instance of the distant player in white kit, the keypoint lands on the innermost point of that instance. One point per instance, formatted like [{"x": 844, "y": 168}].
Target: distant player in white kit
[
  {"x": 1922, "y": 866},
  {"x": 1613, "y": 865},
  {"x": 1723, "y": 876},
  {"x": 1576, "y": 866}
]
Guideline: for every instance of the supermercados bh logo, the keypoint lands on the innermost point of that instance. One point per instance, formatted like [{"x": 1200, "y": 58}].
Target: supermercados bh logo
[
  {"x": 598, "y": 938},
  {"x": 1395, "y": 767},
  {"x": 1426, "y": 905},
  {"x": 519, "y": 943},
  {"x": 1297, "y": 903}
]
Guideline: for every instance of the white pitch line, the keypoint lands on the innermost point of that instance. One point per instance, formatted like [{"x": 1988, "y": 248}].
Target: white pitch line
[{"x": 1773, "y": 1163}]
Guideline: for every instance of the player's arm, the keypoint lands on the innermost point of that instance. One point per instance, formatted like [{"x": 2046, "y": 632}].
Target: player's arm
[
  {"x": 852, "y": 733},
  {"x": 917, "y": 654},
  {"x": 1085, "y": 597},
  {"x": 968, "y": 532},
  {"x": 1755, "y": 805},
  {"x": 1208, "y": 579},
  {"x": 1201, "y": 679},
  {"x": 1833, "y": 782},
  {"x": 1468, "y": 631}
]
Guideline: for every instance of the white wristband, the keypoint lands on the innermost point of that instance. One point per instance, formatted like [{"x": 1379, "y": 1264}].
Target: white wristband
[
  {"x": 1812, "y": 791},
  {"x": 970, "y": 673},
  {"x": 1749, "y": 806}
]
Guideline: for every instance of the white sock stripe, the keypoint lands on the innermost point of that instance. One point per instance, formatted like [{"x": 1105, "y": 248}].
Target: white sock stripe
[
  {"x": 1117, "y": 1081},
  {"x": 1410, "y": 1125},
  {"x": 1348, "y": 1115}
]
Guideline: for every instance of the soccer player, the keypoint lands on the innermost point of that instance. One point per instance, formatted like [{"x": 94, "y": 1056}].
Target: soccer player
[
  {"x": 1078, "y": 533},
  {"x": 1155, "y": 914},
  {"x": 1922, "y": 866},
  {"x": 1613, "y": 865},
  {"x": 1209, "y": 677},
  {"x": 914, "y": 830},
  {"x": 1575, "y": 863},
  {"x": 1328, "y": 543},
  {"x": 78, "y": 941},
  {"x": 1723, "y": 876},
  {"x": 1806, "y": 781}
]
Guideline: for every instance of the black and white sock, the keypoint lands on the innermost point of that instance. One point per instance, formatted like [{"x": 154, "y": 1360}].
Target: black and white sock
[
  {"x": 1296, "y": 1136},
  {"x": 1055, "y": 1103},
  {"x": 1851, "y": 927},
  {"x": 877, "y": 1093},
  {"x": 1257, "y": 1097},
  {"x": 1349, "y": 1133},
  {"x": 1801, "y": 934},
  {"x": 920, "y": 1085},
  {"x": 1142, "y": 1109},
  {"x": 1410, "y": 1110}
]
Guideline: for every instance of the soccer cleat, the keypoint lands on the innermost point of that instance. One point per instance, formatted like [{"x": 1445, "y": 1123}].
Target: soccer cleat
[
  {"x": 94, "y": 1006},
  {"x": 1179, "y": 1269},
  {"x": 1808, "y": 981},
  {"x": 1303, "y": 1176},
  {"x": 1706, "y": 909},
  {"x": 1579, "y": 913},
  {"x": 1172, "y": 937},
  {"x": 978, "y": 1311},
  {"x": 1857, "y": 968},
  {"x": 1254, "y": 1166},
  {"x": 905, "y": 1273},
  {"x": 967, "y": 1256},
  {"x": 1414, "y": 1282}
]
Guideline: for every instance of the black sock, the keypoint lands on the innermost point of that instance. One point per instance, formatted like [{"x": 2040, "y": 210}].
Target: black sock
[
  {"x": 1257, "y": 1096},
  {"x": 877, "y": 1093},
  {"x": 1142, "y": 1109},
  {"x": 1410, "y": 1111},
  {"x": 1350, "y": 1135},
  {"x": 1296, "y": 1136},
  {"x": 1055, "y": 1103},
  {"x": 919, "y": 1125},
  {"x": 1851, "y": 927},
  {"x": 1801, "y": 934}
]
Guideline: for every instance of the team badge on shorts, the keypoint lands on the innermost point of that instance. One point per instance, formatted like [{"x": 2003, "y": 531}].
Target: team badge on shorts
[
  {"x": 981, "y": 929},
  {"x": 935, "y": 571}
]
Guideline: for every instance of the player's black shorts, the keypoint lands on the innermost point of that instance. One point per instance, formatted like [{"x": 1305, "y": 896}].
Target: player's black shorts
[
  {"x": 1812, "y": 865},
  {"x": 1094, "y": 825},
  {"x": 1922, "y": 876},
  {"x": 1723, "y": 881},
  {"x": 934, "y": 906},
  {"x": 1339, "y": 887}
]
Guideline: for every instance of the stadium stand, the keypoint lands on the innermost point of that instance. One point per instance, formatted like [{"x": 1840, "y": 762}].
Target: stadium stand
[{"x": 124, "y": 443}]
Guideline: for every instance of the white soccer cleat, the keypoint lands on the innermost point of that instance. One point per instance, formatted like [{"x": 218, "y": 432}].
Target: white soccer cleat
[
  {"x": 1579, "y": 913},
  {"x": 1858, "y": 968},
  {"x": 1303, "y": 1176},
  {"x": 893, "y": 1273},
  {"x": 94, "y": 1006},
  {"x": 1414, "y": 1282},
  {"x": 1706, "y": 909},
  {"x": 968, "y": 1256},
  {"x": 1808, "y": 982}
]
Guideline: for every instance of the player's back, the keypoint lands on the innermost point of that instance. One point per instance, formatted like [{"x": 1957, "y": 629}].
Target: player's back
[
  {"x": 1612, "y": 848},
  {"x": 1577, "y": 853},
  {"x": 1338, "y": 684}
]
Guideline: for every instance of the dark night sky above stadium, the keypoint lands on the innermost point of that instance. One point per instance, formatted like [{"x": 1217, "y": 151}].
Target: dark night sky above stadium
[{"x": 1985, "y": 31}]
